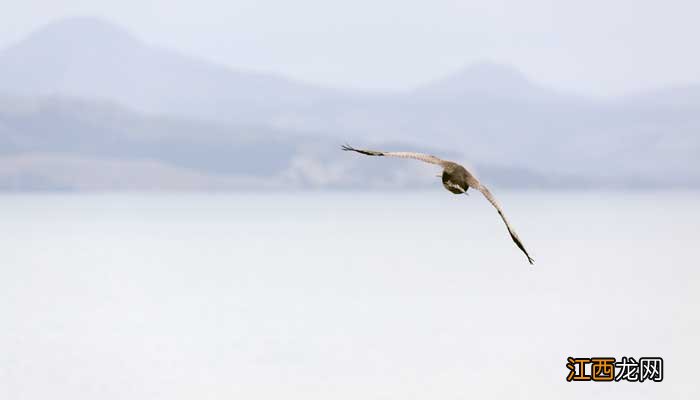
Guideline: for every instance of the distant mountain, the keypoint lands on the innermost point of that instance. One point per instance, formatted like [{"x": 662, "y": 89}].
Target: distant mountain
[
  {"x": 484, "y": 78},
  {"x": 91, "y": 58},
  {"x": 141, "y": 103},
  {"x": 64, "y": 144}
]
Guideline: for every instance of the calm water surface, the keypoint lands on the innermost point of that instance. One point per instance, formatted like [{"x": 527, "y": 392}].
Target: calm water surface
[{"x": 345, "y": 295}]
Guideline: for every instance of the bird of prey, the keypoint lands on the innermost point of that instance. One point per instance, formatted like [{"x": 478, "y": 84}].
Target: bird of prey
[{"x": 455, "y": 178}]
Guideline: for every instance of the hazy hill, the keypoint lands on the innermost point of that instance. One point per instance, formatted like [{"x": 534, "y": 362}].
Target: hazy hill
[
  {"x": 257, "y": 125},
  {"x": 91, "y": 58},
  {"x": 65, "y": 144}
]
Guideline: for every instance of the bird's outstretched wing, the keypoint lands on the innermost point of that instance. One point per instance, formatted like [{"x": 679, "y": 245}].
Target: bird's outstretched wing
[
  {"x": 489, "y": 196},
  {"x": 401, "y": 154}
]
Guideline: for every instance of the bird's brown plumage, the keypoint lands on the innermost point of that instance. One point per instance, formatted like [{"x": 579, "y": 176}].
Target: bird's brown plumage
[{"x": 456, "y": 179}]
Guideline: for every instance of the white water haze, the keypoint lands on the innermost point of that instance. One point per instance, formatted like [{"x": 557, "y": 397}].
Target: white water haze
[{"x": 344, "y": 295}]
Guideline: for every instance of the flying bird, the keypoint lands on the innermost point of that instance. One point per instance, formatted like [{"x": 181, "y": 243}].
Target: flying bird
[{"x": 455, "y": 178}]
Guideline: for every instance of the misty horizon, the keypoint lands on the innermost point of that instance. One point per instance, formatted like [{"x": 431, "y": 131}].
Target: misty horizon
[{"x": 85, "y": 105}]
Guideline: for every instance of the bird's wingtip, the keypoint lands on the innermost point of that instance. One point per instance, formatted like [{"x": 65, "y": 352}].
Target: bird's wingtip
[{"x": 346, "y": 147}]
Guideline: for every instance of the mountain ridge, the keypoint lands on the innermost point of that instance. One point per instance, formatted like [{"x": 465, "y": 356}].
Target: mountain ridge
[
  {"x": 68, "y": 29},
  {"x": 488, "y": 113}
]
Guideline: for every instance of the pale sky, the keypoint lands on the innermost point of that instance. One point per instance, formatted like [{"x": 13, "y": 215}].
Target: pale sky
[{"x": 591, "y": 47}]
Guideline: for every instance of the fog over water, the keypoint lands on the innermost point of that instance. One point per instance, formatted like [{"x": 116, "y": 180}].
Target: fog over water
[{"x": 344, "y": 295}]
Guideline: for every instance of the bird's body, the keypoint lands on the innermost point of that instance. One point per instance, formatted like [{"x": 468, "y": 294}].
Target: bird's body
[{"x": 456, "y": 179}]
